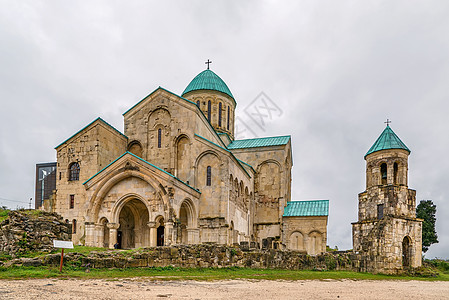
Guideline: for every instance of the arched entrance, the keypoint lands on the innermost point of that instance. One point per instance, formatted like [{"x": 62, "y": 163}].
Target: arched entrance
[
  {"x": 406, "y": 251},
  {"x": 133, "y": 231},
  {"x": 160, "y": 232},
  {"x": 184, "y": 223}
]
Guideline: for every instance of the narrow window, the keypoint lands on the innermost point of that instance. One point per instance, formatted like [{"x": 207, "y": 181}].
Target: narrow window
[
  {"x": 74, "y": 226},
  {"x": 209, "y": 108},
  {"x": 209, "y": 176},
  {"x": 60, "y": 175},
  {"x": 74, "y": 172},
  {"x": 72, "y": 201},
  {"x": 395, "y": 172},
  {"x": 383, "y": 173},
  {"x": 219, "y": 114},
  {"x": 380, "y": 211},
  {"x": 228, "y": 118},
  {"x": 198, "y": 103},
  {"x": 159, "y": 138}
]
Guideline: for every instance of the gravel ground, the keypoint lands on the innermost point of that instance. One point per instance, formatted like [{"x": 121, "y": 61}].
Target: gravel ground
[{"x": 139, "y": 288}]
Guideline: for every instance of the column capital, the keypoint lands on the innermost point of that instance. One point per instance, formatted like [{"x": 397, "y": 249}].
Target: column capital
[
  {"x": 151, "y": 224},
  {"x": 113, "y": 225}
]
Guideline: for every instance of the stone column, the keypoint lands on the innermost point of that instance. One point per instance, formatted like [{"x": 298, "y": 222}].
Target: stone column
[
  {"x": 168, "y": 233},
  {"x": 99, "y": 235},
  {"x": 113, "y": 234},
  {"x": 89, "y": 230},
  {"x": 153, "y": 233}
]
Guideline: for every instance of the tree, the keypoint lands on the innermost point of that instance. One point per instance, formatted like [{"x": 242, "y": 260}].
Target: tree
[{"x": 426, "y": 210}]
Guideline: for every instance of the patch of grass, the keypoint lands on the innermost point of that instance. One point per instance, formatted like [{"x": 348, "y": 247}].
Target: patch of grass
[
  {"x": 173, "y": 273},
  {"x": 84, "y": 249},
  {"x": 3, "y": 214}
]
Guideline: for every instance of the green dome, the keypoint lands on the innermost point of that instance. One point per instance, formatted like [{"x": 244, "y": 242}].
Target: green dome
[
  {"x": 208, "y": 80},
  {"x": 387, "y": 140}
]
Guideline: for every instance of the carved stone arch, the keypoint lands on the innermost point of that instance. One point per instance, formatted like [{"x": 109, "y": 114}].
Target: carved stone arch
[
  {"x": 192, "y": 216},
  {"x": 110, "y": 181},
  {"x": 270, "y": 161},
  {"x": 198, "y": 160},
  {"x": 268, "y": 181},
  {"x": 315, "y": 242},
  {"x": 297, "y": 241},
  {"x": 182, "y": 157},
  {"x": 135, "y": 147}
]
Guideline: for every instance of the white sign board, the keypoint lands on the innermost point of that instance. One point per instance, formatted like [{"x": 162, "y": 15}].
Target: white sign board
[{"x": 63, "y": 244}]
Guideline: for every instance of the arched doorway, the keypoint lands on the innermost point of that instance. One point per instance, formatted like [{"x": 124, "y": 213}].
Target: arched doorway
[
  {"x": 133, "y": 231},
  {"x": 184, "y": 223},
  {"x": 160, "y": 232},
  {"x": 406, "y": 251}
]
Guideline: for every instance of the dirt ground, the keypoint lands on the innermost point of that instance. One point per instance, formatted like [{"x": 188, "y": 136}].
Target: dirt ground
[{"x": 139, "y": 288}]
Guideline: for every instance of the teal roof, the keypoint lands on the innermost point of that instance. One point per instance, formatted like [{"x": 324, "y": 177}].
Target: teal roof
[
  {"x": 307, "y": 208},
  {"x": 208, "y": 80},
  {"x": 132, "y": 154},
  {"x": 387, "y": 140},
  {"x": 259, "y": 142}
]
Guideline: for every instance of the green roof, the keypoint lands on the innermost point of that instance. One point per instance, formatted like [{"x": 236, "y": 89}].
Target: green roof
[
  {"x": 208, "y": 80},
  {"x": 307, "y": 208},
  {"x": 387, "y": 140},
  {"x": 259, "y": 142},
  {"x": 132, "y": 154}
]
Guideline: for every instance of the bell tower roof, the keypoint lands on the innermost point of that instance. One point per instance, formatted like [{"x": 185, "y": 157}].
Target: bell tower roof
[
  {"x": 208, "y": 80},
  {"x": 387, "y": 140}
]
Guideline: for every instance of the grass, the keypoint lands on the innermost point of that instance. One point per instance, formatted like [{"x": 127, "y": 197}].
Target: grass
[{"x": 206, "y": 274}]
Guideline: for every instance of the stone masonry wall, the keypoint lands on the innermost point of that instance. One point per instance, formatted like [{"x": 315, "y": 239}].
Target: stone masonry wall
[{"x": 25, "y": 231}]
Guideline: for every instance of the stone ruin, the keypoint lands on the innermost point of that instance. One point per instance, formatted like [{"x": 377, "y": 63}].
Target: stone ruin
[{"x": 30, "y": 230}]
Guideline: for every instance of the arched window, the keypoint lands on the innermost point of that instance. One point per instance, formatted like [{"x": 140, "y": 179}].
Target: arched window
[
  {"x": 74, "y": 172},
  {"x": 383, "y": 173},
  {"x": 74, "y": 226},
  {"x": 395, "y": 173},
  {"x": 159, "y": 138},
  {"x": 209, "y": 110},
  {"x": 219, "y": 114},
  {"x": 209, "y": 176},
  {"x": 198, "y": 103},
  {"x": 228, "y": 118}
]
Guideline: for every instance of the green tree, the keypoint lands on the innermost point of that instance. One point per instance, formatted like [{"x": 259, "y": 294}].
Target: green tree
[{"x": 426, "y": 210}]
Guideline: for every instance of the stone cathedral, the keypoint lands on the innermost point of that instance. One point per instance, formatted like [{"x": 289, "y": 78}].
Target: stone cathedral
[{"x": 177, "y": 175}]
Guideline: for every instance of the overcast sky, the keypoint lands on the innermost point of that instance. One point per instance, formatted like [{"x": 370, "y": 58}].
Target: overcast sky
[{"x": 335, "y": 69}]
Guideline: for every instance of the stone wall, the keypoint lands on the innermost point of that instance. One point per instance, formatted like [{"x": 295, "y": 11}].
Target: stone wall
[
  {"x": 198, "y": 256},
  {"x": 30, "y": 230}
]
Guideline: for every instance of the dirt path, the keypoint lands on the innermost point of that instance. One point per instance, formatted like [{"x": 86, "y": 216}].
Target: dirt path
[{"x": 47, "y": 289}]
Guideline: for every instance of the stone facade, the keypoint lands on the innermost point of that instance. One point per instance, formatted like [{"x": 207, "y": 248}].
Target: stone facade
[
  {"x": 173, "y": 177},
  {"x": 387, "y": 236},
  {"x": 307, "y": 234}
]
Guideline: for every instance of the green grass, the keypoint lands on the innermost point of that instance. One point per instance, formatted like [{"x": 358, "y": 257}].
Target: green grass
[
  {"x": 171, "y": 273},
  {"x": 3, "y": 214}
]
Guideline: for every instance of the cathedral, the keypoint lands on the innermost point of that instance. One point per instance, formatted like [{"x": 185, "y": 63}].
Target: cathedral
[{"x": 177, "y": 175}]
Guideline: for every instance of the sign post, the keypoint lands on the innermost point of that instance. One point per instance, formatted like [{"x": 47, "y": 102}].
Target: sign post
[{"x": 63, "y": 245}]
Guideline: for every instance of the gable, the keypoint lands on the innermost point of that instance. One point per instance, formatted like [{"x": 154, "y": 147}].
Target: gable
[{"x": 98, "y": 121}]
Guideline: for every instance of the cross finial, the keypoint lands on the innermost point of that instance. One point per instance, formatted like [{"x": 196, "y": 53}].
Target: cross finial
[
  {"x": 208, "y": 62},
  {"x": 388, "y": 122}
]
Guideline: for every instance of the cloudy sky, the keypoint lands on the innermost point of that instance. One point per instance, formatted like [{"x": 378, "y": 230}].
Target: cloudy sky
[{"x": 335, "y": 69}]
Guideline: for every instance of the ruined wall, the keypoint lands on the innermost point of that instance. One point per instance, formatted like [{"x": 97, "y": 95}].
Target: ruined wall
[
  {"x": 380, "y": 244},
  {"x": 32, "y": 230}
]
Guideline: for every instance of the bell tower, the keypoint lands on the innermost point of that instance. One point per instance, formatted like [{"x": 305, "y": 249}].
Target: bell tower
[{"x": 387, "y": 234}]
